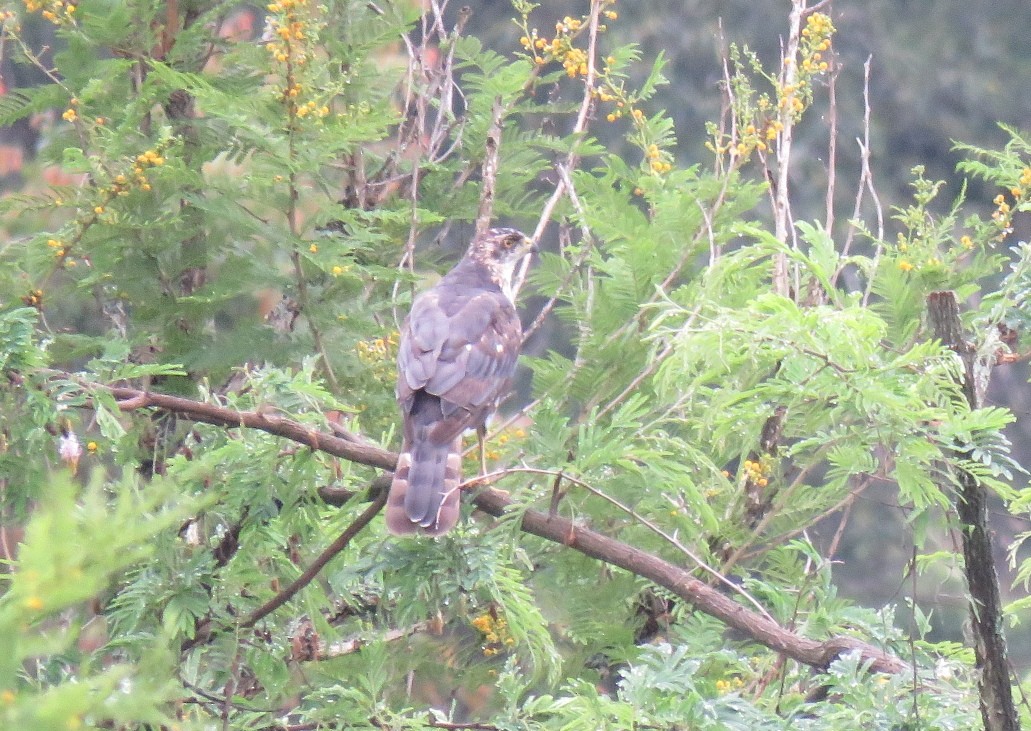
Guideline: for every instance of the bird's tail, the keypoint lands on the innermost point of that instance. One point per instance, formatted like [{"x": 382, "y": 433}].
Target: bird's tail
[{"x": 424, "y": 495}]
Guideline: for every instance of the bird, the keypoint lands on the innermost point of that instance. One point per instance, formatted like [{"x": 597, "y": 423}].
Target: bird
[{"x": 457, "y": 353}]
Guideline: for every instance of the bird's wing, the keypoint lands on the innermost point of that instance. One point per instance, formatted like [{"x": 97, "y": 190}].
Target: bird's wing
[{"x": 462, "y": 348}]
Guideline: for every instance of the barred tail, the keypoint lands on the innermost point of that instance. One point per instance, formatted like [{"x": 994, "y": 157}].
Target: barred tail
[{"x": 424, "y": 496}]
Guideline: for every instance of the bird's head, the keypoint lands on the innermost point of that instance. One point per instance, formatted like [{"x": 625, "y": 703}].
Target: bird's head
[
  {"x": 506, "y": 244},
  {"x": 500, "y": 250}
]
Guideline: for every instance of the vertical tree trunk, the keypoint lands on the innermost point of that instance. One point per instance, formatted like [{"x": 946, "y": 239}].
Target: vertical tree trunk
[{"x": 997, "y": 709}]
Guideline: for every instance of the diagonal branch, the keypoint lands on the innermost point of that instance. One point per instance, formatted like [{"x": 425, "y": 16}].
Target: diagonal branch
[
  {"x": 206, "y": 630},
  {"x": 678, "y": 580}
]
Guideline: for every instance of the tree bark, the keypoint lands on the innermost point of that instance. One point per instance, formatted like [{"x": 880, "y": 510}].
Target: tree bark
[{"x": 997, "y": 709}]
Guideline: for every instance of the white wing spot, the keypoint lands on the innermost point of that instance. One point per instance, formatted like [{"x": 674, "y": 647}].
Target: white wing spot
[
  {"x": 499, "y": 348},
  {"x": 468, "y": 346}
]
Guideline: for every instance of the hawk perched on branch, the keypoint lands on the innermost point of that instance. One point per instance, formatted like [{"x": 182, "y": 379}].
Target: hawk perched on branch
[{"x": 455, "y": 362}]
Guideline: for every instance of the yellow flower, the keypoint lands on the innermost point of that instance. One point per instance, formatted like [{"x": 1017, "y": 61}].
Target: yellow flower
[
  {"x": 966, "y": 242},
  {"x": 314, "y": 248},
  {"x": 34, "y": 603},
  {"x": 69, "y": 115},
  {"x": 905, "y": 266}
]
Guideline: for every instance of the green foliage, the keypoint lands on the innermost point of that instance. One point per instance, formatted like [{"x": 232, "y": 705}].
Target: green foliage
[
  {"x": 240, "y": 222},
  {"x": 44, "y": 622}
]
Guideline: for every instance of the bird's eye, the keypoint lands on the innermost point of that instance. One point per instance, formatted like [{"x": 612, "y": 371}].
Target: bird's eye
[{"x": 508, "y": 243}]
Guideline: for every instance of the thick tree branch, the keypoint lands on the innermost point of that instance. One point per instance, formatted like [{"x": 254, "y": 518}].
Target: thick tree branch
[
  {"x": 131, "y": 399},
  {"x": 704, "y": 598},
  {"x": 997, "y": 708}
]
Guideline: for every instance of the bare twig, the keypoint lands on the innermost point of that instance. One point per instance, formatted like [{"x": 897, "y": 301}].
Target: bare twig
[
  {"x": 490, "y": 168},
  {"x": 355, "y": 644},
  {"x": 587, "y": 246},
  {"x": 866, "y": 179},
  {"x": 832, "y": 149},
  {"x": 781, "y": 198},
  {"x": 579, "y": 126}
]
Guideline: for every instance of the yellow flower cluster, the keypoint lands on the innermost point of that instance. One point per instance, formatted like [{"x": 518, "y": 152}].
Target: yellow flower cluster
[
  {"x": 501, "y": 440},
  {"x": 575, "y": 63},
  {"x": 288, "y": 27},
  {"x": 754, "y": 138},
  {"x": 1003, "y": 214},
  {"x": 34, "y": 298},
  {"x": 757, "y": 125},
  {"x": 906, "y": 265},
  {"x": 312, "y": 107},
  {"x": 294, "y": 30},
  {"x": 756, "y": 472},
  {"x": 1021, "y": 192},
  {"x": 370, "y": 351},
  {"x": 789, "y": 98},
  {"x": 58, "y": 246},
  {"x": 658, "y": 160},
  {"x": 379, "y": 355},
  {"x": 121, "y": 184},
  {"x": 58, "y": 12},
  {"x": 496, "y": 635},
  {"x": 559, "y": 48},
  {"x": 816, "y": 41},
  {"x": 726, "y": 686}
]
